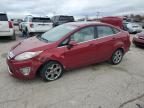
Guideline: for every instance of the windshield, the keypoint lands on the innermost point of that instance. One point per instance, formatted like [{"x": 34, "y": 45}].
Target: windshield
[{"x": 58, "y": 32}]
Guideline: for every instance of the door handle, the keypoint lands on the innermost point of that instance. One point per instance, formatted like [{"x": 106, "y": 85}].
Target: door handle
[
  {"x": 91, "y": 45},
  {"x": 113, "y": 38}
]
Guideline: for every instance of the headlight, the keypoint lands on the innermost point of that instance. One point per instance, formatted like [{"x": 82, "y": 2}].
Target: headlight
[{"x": 27, "y": 55}]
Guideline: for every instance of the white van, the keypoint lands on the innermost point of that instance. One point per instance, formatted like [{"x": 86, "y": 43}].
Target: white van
[{"x": 6, "y": 26}]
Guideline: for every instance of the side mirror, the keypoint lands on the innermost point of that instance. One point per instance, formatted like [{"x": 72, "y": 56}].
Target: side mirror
[{"x": 71, "y": 44}]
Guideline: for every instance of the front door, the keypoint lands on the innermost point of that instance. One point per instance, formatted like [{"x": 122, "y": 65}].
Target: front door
[{"x": 82, "y": 53}]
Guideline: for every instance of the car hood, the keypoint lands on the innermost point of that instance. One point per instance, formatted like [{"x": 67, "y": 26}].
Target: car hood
[
  {"x": 31, "y": 44},
  {"x": 140, "y": 34}
]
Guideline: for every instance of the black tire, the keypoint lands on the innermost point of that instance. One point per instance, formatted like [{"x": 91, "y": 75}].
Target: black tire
[
  {"x": 117, "y": 57},
  {"x": 45, "y": 73},
  {"x": 13, "y": 37}
]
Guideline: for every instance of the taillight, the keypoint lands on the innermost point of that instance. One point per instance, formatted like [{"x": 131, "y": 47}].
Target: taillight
[
  {"x": 31, "y": 25},
  {"x": 10, "y": 24}
]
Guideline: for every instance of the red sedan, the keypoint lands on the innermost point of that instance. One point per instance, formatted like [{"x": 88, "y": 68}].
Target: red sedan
[
  {"x": 65, "y": 47},
  {"x": 138, "y": 40}
]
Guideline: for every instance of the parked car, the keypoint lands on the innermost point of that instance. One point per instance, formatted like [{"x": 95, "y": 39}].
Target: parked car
[
  {"x": 138, "y": 39},
  {"x": 16, "y": 22},
  {"x": 6, "y": 27},
  {"x": 65, "y": 47},
  {"x": 133, "y": 27},
  {"x": 123, "y": 24},
  {"x": 115, "y": 21},
  {"x": 35, "y": 25},
  {"x": 61, "y": 19}
]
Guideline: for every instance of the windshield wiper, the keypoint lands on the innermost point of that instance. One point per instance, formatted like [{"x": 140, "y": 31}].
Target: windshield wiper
[{"x": 42, "y": 39}]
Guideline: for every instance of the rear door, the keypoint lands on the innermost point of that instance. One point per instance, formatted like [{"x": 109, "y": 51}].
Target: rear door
[
  {"x": 41, "y": 24},
  {"x": 104, "y": 42},
  {"x": 4, "y": 27}
]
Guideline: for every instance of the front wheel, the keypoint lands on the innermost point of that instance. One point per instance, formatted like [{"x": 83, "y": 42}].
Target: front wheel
[
  {"x": 51, "y": 71},
  {"x": 117, "y": 57}
]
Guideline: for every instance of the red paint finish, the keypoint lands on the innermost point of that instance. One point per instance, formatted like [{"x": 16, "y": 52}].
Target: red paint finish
[
  {"x": 115, "y": 21},
  {"x": 81, "y": 54},
  {"x": 139, "y": 39}
]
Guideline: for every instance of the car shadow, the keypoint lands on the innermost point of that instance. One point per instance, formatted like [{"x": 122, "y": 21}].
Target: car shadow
[
  {"x": 94, "y": 67},
  {"x": 4, "y": 39},
  {"x": 140, "y": 47},
  {"x": 37, "y": 79}
]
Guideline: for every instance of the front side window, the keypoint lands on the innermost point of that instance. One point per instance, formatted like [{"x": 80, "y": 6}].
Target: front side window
[
  {"x": 84, "y": 34},
  {"x": 103, "y": 31}
]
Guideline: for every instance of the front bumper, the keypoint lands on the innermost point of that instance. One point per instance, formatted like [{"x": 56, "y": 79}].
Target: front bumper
[
  {"x": 15, "y": 68},
  {"x": 138, "y": 41}
]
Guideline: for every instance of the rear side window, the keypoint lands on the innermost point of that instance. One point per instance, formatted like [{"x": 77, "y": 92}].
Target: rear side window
[
  {"x": 38, "y": 19},
  {"x": 103, "y": 31},
  {"x": 3, "y": 17}
]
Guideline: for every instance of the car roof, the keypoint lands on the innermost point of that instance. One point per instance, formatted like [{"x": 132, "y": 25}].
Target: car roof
[
  {"x": 2, "y": 13},
  {"x": 86, "y": 23},
  {"x": 63, "y": 16}
]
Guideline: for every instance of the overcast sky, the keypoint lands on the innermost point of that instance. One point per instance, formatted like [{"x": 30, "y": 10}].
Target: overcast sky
[{"x": 71, "y": 7}]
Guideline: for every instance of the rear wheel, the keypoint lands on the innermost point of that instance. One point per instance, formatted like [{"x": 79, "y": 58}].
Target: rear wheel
[
  {"x": 117, "y": 57},
  {"x": 51, "y": 71}
]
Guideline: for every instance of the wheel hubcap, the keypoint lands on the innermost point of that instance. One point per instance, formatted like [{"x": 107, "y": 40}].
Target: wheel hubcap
[
  {"x": 53, "y": 72},
  {"x": 117, "y": 57}
]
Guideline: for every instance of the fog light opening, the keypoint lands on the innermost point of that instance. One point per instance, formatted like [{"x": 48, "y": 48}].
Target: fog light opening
[{"x": 25, "y": 71}]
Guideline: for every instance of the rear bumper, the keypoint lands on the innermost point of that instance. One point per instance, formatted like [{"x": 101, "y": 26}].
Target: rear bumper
[
  {"x": 135, "y": 30},
  {"x": 7, "y": 33},
  {"x": 33, "y": 30}
]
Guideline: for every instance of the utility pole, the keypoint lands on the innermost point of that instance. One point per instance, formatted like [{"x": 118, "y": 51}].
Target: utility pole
[{"x": 98, "y": 14}]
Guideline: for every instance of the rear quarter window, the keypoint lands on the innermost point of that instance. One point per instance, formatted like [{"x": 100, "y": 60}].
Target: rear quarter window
[
  {"x": 116, "y": 30},
  {"x": 3, "y": 17}
]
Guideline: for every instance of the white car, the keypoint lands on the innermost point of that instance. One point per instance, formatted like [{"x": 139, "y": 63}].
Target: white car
[
  {"x": 34, "y": 25},
  {"x": 6, "y": 26},
  {"x": 133, "y": 27}
]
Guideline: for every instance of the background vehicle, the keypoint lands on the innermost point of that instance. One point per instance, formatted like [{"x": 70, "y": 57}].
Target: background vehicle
[
  {"x": 120, "y": 23},
  {"x": 138, "y": 39},
  {"x": 16, "y": 22},
  {"x": 58, "y": 20},
  {"x": 67, "y": 46},
  {"x": 6, "y": 27},
  {"x": 133, "y": 27},
  {"x": 115, "y": 21},
  {"x": 35, "y": 25}
]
